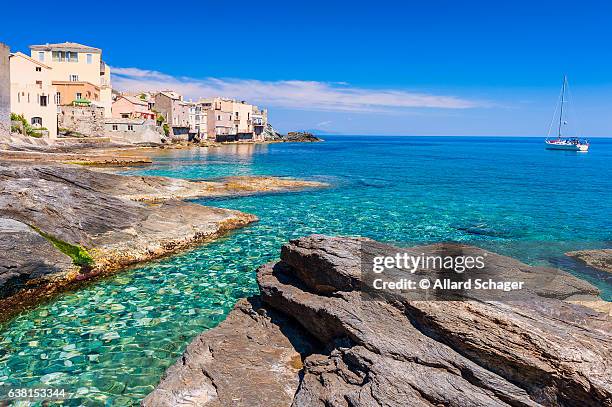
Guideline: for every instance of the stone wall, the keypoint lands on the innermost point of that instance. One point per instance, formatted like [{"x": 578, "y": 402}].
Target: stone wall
[
  {"x": 5, "y": 90},
  {"x": 134, "y": 131},
  {"x": 81, "y": 121}
]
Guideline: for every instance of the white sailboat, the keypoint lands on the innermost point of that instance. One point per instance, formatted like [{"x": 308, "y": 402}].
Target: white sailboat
[{"x": 561, "y": 142}]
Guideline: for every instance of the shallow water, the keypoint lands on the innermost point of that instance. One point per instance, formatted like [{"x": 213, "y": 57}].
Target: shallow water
[{"x": 113, "y": 339}]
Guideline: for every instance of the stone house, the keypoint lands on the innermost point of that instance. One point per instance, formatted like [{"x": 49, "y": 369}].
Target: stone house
[
  {"x": 176, "y": 113},
  {"x": 82, "y": 119},
  {"x": 134, "y": 131},
  {"x": 32, "y": 92},
  {"x": 5, "y": 90}
]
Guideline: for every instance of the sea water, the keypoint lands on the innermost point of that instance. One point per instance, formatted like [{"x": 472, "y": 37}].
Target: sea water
[{"x": 111, "y": 341}]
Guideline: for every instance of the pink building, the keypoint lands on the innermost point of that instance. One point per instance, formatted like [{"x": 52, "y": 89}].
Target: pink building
[{"x": 130, "y": 107}]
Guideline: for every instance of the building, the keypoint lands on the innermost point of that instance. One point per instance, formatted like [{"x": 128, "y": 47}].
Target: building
[
  {"x": 68, "y": 92},
  {"x": 175, "y": 112},
  {"x": 32, "y": 93},
  {"x": 81, "y": 120},
  {"x": 72, "y": 62},
  {"x": 131, "y": 107},
  {"x": 260, "y": 121},
  {"x": 133, "y": 131},
  {"x": 232, "y": 120},
  {"x": 5, "y": 90},
  {"x": 219, "y": 120},
  {"x": 242, "y": 120},
  {"x": 198, "y": 118}
]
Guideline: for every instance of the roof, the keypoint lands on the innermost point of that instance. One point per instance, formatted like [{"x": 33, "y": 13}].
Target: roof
[
  {"x": 22, "y": 55},
  {"x": 135, "y": 100},
  {"x": 68, "y": 46},
  {"x": 171, "y": 94},
  {"x": 74, "y": 83}
]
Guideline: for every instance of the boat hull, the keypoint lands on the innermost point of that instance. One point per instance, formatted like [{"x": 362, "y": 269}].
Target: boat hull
[{"x": 567, "y": 147}]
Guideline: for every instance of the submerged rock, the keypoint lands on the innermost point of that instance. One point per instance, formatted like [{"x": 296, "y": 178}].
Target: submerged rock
[
  {"x": 62, "y": 224},
  {"x": 358, "y": 351},
  {"x": 600, "y": 259}
]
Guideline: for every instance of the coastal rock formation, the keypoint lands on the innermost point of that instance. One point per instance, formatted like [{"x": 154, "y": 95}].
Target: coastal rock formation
[
  {"x": 270, "y": 134},
  {"x": 600, "y": 259},
  {"x": 300, "y": 136},
  {"x": 359, "y": 351},
  {"x": 51, "y": 214}
]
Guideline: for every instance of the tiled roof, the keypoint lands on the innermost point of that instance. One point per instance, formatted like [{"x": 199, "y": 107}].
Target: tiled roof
[
  {"x": 171, "y": 94},
  {"x": 65, "y": 46},
  {"x": 135, "y": 100}
]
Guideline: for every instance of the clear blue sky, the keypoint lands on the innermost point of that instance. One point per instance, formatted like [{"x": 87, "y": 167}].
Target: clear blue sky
[{"x": 434, "y": 67}]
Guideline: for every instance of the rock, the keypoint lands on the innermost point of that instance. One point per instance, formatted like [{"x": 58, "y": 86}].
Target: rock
[
  {"x": 27, "y": 257},
  {"x": 540, "y": 350},
  {"x": 264, "y": 372},
  {"x": 300, "y": 136},
  {"x": 119, "y": 220},
  {"x": 600, "y": 259}
]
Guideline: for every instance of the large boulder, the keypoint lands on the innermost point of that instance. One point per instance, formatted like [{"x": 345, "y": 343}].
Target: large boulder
[{"x": 394, "y": 351}]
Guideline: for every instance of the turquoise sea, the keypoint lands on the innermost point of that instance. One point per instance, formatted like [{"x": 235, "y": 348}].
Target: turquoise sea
[{"x": 111, "y": 341}]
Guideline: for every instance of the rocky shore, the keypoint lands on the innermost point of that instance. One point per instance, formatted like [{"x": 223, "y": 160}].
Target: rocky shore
[
  {"x": 61, "y": 225},
  {"x": 311, "y": 338}
]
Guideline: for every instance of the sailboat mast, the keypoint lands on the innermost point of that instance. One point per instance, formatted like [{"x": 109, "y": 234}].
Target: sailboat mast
[{"x": 562, "y": 103}]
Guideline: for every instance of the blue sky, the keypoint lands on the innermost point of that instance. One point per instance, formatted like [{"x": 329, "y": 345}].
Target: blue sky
[{"x": 414, "y": 68}]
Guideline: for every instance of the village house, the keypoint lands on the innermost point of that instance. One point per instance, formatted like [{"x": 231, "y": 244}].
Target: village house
[
  {"x": 77, "y": 63},
  {"x": 175, "y": 112},
  {"x": 69, "y": 92},
  {"x": 5, "y": 90},
  {"x": 231, "y": 120},
  {"x": 131, "y": 107},
  {"x": 219, "y": 120},
  {"x": 260, "y": 121},
  {"x": 32, "y": 93},
  {"x": 198, "y": 118}
]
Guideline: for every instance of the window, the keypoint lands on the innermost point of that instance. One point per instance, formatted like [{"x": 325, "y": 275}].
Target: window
[
  {"x": 130, "y": 127},
  {"x": 43, "y": 101},
  {"x": 58, "y": 98},
  {"x": 64, "y": 56},
  {"x": 115, "y": 127},
  {"x": 41, "y": 56},
  {"x": 79, "y": 95},
  {"x": 39, "y": 84},
  {"x": 37, "y": 121},
  {"x": 219, "y": 117},
  {"x": 89, "y": 58},
  {"x": 74, "y": 78},
  {"x": 38, "y": 69},
  {"x": 125, "y": 116}
]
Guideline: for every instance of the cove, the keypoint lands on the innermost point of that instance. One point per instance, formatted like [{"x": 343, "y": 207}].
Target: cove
[{"x": 111, "y": 341}]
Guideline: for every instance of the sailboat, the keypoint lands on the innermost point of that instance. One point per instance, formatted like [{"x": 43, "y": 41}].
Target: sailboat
[{"x": 565, "y": 143}]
